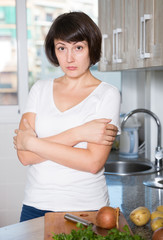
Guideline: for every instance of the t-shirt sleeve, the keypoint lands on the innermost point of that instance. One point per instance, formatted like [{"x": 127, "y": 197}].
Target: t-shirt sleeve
[
  {"x": 109, "y": 107},
  {"x": 33, "y": 99}
]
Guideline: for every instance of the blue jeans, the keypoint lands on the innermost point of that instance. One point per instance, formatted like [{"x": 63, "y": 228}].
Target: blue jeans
[{"x": 29, "y": 213}]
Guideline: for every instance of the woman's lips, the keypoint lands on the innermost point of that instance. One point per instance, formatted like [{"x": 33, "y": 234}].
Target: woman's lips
[{"x": 72, "y": 68}]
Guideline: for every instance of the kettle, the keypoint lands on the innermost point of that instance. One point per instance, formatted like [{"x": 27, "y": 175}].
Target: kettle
[{"x": 129, "y": 139}]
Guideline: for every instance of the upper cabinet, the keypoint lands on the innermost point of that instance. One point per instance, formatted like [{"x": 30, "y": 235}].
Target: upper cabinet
[
  {"x": 132, "y": 36},
  {"x": 105, "y": 24}
]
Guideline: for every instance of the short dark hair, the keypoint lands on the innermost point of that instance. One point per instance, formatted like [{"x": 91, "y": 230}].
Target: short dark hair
[{"x": 74, "y": 27}]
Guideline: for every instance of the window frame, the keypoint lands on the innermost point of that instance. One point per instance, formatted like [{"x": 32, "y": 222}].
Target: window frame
[{"x": 12, "y": 113}]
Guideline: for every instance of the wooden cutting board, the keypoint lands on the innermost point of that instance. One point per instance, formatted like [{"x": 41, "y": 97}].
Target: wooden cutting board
[{"x": 55, "y": 222}]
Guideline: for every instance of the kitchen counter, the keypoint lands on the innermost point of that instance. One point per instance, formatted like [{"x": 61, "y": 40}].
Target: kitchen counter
[
  {"x": 28, "y": 230},
  {"x": 128, "y": 193}
]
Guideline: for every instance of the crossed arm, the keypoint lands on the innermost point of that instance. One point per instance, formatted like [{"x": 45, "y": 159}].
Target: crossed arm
[{"x": 59, "y": 148}]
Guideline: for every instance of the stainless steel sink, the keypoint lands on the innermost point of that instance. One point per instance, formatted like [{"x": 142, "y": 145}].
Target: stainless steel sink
[
  {"x": 130, "y": 167},
  {"x": 155, "y": 183}
]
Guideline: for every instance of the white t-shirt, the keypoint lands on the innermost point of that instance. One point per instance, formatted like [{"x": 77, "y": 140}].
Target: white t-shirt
[{"x": 51, "y": 186}]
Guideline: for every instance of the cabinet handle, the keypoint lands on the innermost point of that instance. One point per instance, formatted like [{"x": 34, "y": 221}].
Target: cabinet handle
[
  {"x": 119, "y": 60},
  {"x": 116, "y": 58},
  {"x": 141, "y": 37},
  {"x": 103, "y": 57},
  {"x": 146, "y": 17},
  {"x": 114, "y": 46},
  {"x": 143, "y": 53}
]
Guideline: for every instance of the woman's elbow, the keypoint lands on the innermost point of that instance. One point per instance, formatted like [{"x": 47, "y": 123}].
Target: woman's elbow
[
  {"x": 95, "y": 167},
  {"x": 22, "y": 158},
  {"x": 24, "y": 163}
]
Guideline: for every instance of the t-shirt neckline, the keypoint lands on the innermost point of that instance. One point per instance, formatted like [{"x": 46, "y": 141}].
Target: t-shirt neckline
[{"x": 78, "y": 104}]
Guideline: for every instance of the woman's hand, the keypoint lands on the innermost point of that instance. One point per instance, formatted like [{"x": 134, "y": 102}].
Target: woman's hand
[
  {"x": 99, "y": 131},
  {"x": 23, "y": 137}
]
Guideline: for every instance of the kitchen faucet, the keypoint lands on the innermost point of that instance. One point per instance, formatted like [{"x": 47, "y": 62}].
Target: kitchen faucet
[
  {"x": 157, "y": 182},
  {"x": 158, "y": 150}
]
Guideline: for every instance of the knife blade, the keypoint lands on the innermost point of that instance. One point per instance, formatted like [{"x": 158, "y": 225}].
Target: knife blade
[{"x": 86, "y": 223}]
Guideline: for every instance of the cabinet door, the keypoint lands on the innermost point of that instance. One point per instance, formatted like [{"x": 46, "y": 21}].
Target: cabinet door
[
  {"x": 145, "y": 35},
  {"x": 124, "y": 18},
  {"x": 105, "y": 25},
  {"x": 129, "y": 34},
  {"x": 117, "y": 34},
  {"x": 149, "y": 36},
  {"x": 111, "y": 23},
  {"x": 117, "y": 30},
  {"x": 157, "y": 38},
  {"x": 132, "y": 33}
]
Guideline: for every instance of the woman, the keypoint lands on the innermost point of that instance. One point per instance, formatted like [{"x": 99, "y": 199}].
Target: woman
[{"x": 69, "y": 124}]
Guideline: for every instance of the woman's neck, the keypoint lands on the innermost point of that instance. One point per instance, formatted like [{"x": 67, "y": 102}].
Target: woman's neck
[{"x": 86, "y": 79}]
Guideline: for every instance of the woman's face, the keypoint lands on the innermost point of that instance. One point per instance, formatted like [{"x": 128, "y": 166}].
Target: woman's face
[{"x": 73, "y": 57}]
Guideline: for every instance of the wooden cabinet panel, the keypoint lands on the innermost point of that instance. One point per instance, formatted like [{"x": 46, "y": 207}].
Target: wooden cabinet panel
[
  {"x": 105, "y": 23},
  {"x": 111, "y": 23},
  {"x": 156, "y": 47},
  {"x": 117, "y": 29},
  {"x": 133, "y": 33},
  {"x": 145, "y": 33},
  {"x": 129, "y": 34},
  {"x": 117, "y": 33}
]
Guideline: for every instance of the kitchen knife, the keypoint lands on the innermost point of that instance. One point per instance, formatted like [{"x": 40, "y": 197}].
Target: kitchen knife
[{"x": 86, "y": 223}]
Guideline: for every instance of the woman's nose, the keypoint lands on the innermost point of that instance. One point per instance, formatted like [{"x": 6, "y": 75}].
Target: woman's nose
[{"x": 70, "y": 55}]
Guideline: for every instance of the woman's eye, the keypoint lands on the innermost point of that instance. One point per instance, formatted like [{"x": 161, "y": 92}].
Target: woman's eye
[
  {"x": 61, "y": 48},
  {"x": 79, "y": 48}
]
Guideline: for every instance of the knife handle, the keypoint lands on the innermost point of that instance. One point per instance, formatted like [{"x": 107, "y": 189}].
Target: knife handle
[{"x": 76, "y": 219}]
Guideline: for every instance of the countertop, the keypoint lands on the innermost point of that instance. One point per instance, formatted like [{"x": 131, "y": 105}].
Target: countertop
[
  {"x": 129, "y": 192},
  {"x": 28, "y": 230},
  {"x": 126, "y": 192}
]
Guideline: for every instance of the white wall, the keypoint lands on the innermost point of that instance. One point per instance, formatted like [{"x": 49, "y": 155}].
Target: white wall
[
  {"x": 133, "y": 88},
  {"x": 154, "y": 85},
  {"x": 144, "y": 89},
  {"x": 12, "y": 177},
  {"x": 129, "y": 91}
]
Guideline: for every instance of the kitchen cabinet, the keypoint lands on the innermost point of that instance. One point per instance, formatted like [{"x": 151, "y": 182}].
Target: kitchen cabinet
[
  {"x": 117, "y": 29},
  {"x": 151, "y": 37},
  {"x": 131, "y": 34},
  {"x": 146, "y": 20}
]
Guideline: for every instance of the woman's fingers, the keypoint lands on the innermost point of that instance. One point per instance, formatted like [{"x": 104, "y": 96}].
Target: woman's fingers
[
  {"x": 111, "y": 133},
  {"x": 16, "y": 131},
  {"x": 111, "y": 127},
  {"x": 14, "y": 142},
  {"x": 99, "y": 131},
  {"x": 110, "y": 139}
]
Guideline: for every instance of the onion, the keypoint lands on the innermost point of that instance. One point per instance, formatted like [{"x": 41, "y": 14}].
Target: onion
[
  {"x": 158, "y": 234},
  {"x": 107, "y": 217}
]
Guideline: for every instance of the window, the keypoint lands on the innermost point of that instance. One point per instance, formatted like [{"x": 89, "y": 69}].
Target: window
[
  {"x": 49, "y": 17},
  {"x": 8, "y": 61},
  {"x": 13, "y": 61}
]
